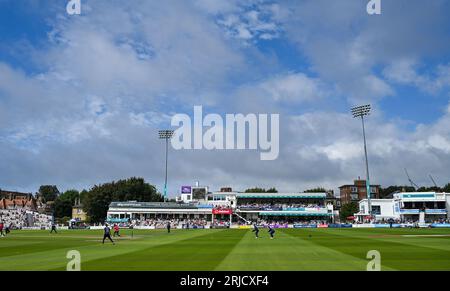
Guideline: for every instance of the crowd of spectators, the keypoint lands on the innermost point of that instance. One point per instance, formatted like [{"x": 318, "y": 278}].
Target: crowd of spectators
[
  {"x": 263, "y": 206},
  {"x": 402, "y": 221},
  {"x": 442, "y": 221},
  {"x": 174, "y": 223},
  {"x": 20, "y": 218},
  {"x": 222, "y": 207},
  {"x": 290, "y": 221},
  {"x": 283, "y": 222},
  {"x": 219, "y": 223}
]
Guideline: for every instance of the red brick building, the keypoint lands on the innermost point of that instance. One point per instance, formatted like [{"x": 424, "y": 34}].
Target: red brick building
[
  {"x": 15, "y": 200},
  {"x": 357, "y": 191}
]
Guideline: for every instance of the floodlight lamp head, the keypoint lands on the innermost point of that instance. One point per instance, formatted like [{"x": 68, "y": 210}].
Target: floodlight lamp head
[
  {"x": 165, "y": 134},
  {"x": 360, "y": 111}
]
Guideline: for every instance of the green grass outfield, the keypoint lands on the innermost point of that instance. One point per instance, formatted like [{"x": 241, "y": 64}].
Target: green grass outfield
[{"x": 229, "y": 249}]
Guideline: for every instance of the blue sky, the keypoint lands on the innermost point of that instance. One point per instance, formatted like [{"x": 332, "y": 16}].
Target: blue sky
[{"x": 82, "y": 96}]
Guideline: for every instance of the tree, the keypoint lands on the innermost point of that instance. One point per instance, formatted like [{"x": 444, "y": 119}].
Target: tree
[
  {"x": 96, "y": 201},
  {"x": 446, "y": 188},
  {"x": 255, "y": 190},
  {"x": 261, "y": 190},
  {"x": 430, "y": 189},
  {"x": 83, "y": 195},
  {"x": 62, "y": 208},
  {"x": 330, "y": 193},
  {"x": 48, "y": 192},
  {"x": 316, "y": 190},
  {"x": 348, "y": 209},
  {"x": 71, "y": 195},
  {"x": 64, "y": 203},
  {"x": 385, "y": 192}
]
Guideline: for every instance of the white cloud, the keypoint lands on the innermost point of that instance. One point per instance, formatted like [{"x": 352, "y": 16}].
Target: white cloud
[
  {"x": 347, "y": 47},
  {"x": 405, "y": 71},
  {"x": 295, "y": 87},
  {"x": 149, "y": 119},
  {"x": 249, "y": 21},
  {"x": 341, "y": 150},
  {"x": 91, "y": 113},
  {"x": 439, "y": 142}
]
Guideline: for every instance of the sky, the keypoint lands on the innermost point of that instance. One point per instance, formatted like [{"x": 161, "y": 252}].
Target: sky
[{"x": 83, "y": 96}]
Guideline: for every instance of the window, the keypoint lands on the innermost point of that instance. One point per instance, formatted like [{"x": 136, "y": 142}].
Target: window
[
  {"x": 376, "y": 209},
  {"x": 354, "y": 189},
  {"x": 199, "y": 193}
]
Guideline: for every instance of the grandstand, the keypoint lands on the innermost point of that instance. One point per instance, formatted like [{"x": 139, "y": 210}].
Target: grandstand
[
  {"x": 234, "y": 209},
  {"x": 408, "y": 207},
  {"x": 20, "y": 218},
  {"x": 20, "y": 210},
  {"x": 157, "y": 214},
  {"x": 284, "y": 207},
  {"x": 225, "y": 209}
]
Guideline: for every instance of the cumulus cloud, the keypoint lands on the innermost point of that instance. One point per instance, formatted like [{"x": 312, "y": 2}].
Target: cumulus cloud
[
  {"x": 89, "y": 108},
  {"x": 347, "y": 47},
  {"x": 251, "y": 20},
  {"x": 405, "y": 71},
  {"x": 294, "y": 88}
]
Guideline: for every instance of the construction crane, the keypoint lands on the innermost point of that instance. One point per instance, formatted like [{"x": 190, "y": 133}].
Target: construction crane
[
  {"x": 414, "y": 185},
  {"x": 435, "y": 185}
]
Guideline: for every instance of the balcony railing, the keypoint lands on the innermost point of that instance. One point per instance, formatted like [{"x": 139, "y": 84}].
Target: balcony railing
[{"x": 427, "y": 211}]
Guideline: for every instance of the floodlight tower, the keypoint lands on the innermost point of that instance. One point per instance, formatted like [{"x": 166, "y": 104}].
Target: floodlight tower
[
  {"x": 361, "y": 111},
  {"x": 166, "y": 134}
]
